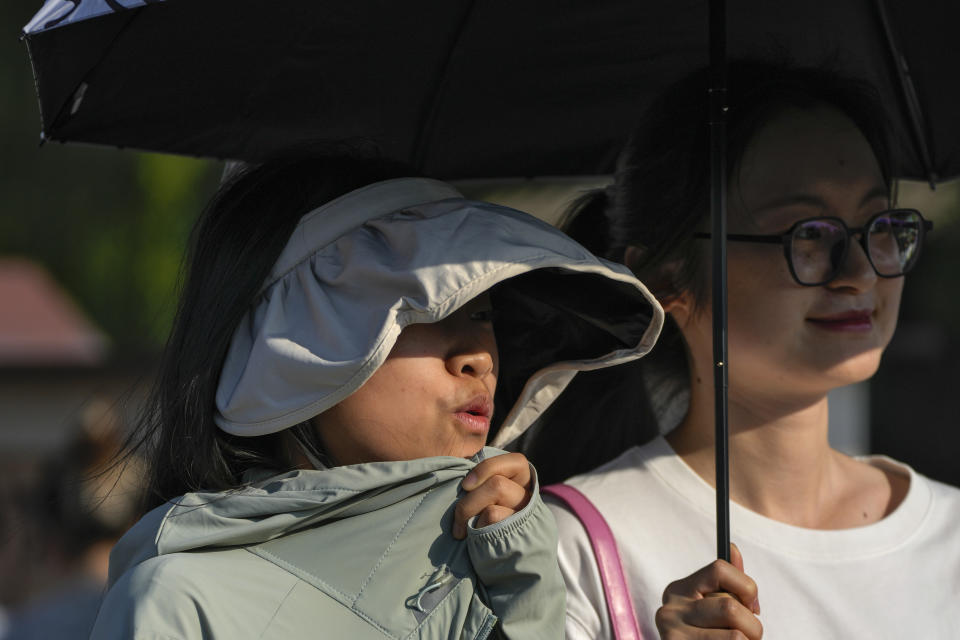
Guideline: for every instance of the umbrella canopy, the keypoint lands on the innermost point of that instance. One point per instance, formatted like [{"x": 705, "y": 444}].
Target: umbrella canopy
[
  {"x": 462, "y": 89},
  {"x": 457, "y": 88}
]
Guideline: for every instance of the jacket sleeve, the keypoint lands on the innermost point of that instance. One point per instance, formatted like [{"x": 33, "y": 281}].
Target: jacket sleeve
[
  {"x": 516, "y": 562},
  {"x": 139, "y": 609},
  {"x": 186, "y": 596}
]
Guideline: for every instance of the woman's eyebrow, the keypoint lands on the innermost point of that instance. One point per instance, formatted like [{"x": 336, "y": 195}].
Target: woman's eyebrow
[
  {"x": 816, "y": 201},
  {"x": 876, "y": 192},
  {"x": 793, "y": 199}
]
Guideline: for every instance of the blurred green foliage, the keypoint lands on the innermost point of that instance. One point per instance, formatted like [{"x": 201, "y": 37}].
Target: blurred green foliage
[{"x": 110, "y": 225}]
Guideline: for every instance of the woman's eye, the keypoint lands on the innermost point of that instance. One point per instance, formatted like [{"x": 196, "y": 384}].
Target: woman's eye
[
  {"x": 807, "y": 232},
  {"x": 816, "y": 230}
]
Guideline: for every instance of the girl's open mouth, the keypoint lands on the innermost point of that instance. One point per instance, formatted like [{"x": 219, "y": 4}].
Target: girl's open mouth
[{"x": 475, "y": 415}]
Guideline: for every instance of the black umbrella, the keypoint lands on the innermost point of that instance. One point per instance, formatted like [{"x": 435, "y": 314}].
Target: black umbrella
[{"x": 461, "y": 89}]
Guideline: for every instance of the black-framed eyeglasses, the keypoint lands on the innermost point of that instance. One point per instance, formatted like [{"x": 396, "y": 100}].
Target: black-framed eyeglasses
[{"x": 816, "y": 248}]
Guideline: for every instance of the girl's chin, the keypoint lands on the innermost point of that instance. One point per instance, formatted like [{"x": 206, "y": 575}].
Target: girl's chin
[{"x": 466, "y": 449}]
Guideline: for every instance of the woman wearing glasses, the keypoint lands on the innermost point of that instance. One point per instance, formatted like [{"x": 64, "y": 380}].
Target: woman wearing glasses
[{"x": 839, "y": 547}]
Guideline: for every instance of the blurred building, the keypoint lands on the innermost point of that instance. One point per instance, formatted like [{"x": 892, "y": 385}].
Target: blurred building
[{"x": 53, "y": 361}]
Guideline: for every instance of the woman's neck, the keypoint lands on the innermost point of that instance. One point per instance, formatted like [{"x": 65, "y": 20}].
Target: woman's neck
[{"x": 781, "y": 463}]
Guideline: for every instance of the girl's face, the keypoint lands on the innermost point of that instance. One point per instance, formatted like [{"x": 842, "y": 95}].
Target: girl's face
[
  {"x": 783, "y": 337},
  {"x": 433, "y": 396}
]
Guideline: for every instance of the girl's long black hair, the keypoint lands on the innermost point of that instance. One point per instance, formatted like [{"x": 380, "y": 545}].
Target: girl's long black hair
[
  {"x": 234, "y": 244},
  {"x": 658, "y": 198}
]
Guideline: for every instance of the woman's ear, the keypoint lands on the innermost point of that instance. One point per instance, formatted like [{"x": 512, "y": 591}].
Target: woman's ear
[
  {"x": 662, "y": 284},
  {"x": 679, "y": 305}
]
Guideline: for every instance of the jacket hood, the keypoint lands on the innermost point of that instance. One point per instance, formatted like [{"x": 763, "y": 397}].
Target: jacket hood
[
  {"x": 279, "y": 505},
  {"x": 359, "y": 269}
]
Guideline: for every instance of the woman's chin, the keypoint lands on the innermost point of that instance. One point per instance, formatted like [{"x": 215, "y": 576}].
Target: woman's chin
[
  {"x": 854, "y": 368},
  {"x": 810, "y": 380}
]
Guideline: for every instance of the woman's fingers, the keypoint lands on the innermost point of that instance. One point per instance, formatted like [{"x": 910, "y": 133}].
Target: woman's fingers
[
  {"x": 721, "y": 611},
  {"x": 510, "y": 465},
  {"x": 716, "y": 615},
  {"x": 712, "y": 617},
  {"x": 736, "y": 558},
  {"x": 716, "y": 577},
  {"x": 717, "y": 601},
  {"x": 693, "y": 633}
]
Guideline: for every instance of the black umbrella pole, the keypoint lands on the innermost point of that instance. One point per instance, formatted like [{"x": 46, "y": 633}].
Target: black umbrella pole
[{"x": 718, "y": 215}]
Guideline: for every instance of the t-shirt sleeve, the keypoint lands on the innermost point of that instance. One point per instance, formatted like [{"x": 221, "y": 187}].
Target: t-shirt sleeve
[{"x": 586, "y": 606}]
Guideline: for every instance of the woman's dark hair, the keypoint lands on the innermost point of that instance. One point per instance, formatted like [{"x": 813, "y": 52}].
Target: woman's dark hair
[
  {"x": 234, "y": 244},
  {"x": 658, "y": 198}
]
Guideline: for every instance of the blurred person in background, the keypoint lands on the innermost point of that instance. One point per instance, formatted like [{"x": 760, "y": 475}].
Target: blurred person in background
[{"x": 58, "y": 531}]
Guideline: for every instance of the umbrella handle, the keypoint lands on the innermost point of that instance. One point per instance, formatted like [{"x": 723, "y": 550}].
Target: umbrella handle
[{"x": 718, "y": 216}]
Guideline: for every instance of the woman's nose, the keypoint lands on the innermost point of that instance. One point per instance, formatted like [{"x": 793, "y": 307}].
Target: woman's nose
[{"x": 856, "y": 272}]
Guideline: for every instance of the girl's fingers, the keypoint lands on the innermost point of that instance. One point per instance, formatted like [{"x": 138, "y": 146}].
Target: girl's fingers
[
  {"x": 510, "y": 465},
  {"x": 718, "y": 576},
  {"x": 493, "y": 514},
  {"x": 496, "y": 491}
]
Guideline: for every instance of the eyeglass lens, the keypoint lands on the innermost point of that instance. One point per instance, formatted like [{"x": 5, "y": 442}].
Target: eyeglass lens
[{"x": 819, "y": 246}]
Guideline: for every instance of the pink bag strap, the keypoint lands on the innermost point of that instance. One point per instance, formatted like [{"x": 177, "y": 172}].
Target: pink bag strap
[{"x": 623, "y": 618}]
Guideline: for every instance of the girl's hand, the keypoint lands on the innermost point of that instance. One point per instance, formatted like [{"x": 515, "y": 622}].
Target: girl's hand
[
  {"x": 718, "y": 601},
  {"x": 497, "y": 488}
]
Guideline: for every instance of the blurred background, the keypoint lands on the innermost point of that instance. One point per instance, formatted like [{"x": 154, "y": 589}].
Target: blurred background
[
  {"x": 90, "y": 246},
  {"x": 91, "y": 242}
]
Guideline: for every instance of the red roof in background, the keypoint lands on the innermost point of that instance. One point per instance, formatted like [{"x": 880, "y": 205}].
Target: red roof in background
[{"x": 39, "y": 324}]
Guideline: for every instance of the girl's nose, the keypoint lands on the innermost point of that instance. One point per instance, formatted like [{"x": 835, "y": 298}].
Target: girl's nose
[{"x": 477, "y": 363}]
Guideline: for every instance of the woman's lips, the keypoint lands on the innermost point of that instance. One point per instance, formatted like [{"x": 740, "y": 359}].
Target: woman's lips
[
  {"x": 475, "y": 415},
  {"x": 846, "y": 321}
]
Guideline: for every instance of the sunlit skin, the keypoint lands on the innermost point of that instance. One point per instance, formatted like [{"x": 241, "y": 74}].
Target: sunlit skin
[
  {"x": 788, "y": 346},
  {"x": 411, "y": 406},
  {"x": 433, "y": 396},
  {"x": 804, "y": 164}
]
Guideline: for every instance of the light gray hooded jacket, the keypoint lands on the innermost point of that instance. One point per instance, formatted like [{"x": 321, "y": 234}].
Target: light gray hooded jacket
[{"x": 366, "y": 551}]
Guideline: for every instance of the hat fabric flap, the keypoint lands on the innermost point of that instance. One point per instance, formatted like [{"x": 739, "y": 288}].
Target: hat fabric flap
[{"x": 359, "y": 269}]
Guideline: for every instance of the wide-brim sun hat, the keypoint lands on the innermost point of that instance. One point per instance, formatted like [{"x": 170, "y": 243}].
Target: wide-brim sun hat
[{"x": 360, "y": 268}]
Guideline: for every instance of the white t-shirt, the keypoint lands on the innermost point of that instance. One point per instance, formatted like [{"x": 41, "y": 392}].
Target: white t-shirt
[{"x": 896, "y": 578}]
